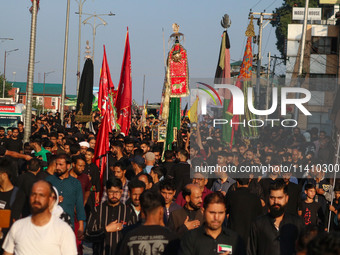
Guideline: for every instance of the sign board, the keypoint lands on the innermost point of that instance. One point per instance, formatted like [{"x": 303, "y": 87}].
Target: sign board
[
  {"x": 7, "y": 108},
  {"x": 329, "y": 1},
  {"x": 313, "y": 13}
]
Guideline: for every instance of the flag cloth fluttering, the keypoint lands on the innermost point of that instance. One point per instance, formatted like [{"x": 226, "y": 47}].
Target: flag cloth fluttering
[
  {"x": 105, "y": 95},
  {"x": 124, "y": 92},
  {"x": 222, "y": 76},
  {"x": 101, "y": 149},
  {"x": 192, "y": 113},
  {"x": 84, "y": 100},
  {"x": 243, "y": 82}
]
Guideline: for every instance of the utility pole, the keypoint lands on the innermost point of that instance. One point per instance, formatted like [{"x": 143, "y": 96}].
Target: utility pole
[
  {"x": 302, "y": 54},
  {"x": 143, "y": 89},
  {"x": 63, "y": 91},
  {"x": 30, "y": 72},
  {"x": 80, "y": 11},
  {"x": 268, "y": 82},
  {"x": 262, "y": 16}
]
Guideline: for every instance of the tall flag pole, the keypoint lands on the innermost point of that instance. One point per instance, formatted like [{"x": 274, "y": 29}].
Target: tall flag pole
[
  {"x": 243, "y": 82},
  {"x": 177, "y": 82},
  {"x": 222, "y": 75},
  {"x": 124, "y": 92}
]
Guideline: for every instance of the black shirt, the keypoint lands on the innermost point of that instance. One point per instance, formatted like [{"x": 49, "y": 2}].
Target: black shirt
[
  {"x": 16, "y": 207},
  {"x": 14, "y": 145},
  {"x": 312, "y": 213},
  {"x": 243, "y": 208},
  {"x": 149, "y": 240},
  {"x": 265, "y": 239},
  {"x": 294, "y": 194},
  {"x": 25, "y": 183},
  {"x": 198, "y": 242},
  {"x": 102, "y": 216}
]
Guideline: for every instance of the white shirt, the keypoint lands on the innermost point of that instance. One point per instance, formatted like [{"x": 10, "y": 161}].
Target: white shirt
[{"x": 55, "y": 238}]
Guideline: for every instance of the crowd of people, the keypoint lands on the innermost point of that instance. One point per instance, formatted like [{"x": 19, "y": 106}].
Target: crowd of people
[{"x": 55, "y": 200}]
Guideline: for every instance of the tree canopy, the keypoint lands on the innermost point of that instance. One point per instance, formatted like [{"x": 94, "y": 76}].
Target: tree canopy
[{"x": 284, "y": 17}]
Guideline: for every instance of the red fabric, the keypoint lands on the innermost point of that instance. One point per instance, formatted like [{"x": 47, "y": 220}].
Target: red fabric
[
  {"x": 105, "y": 85},
  {"x": 178, "y": 72},
  {"x": 124, "y": 94},
  {"x": 102, "y": 147}
]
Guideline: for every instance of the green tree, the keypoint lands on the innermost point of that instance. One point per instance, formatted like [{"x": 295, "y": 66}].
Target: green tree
[
  {"x": 284, "y": 17},
  {"x": 8, "y": 86}
]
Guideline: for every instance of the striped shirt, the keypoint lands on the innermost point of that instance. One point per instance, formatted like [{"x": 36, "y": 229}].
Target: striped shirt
[{"x": 103, "y": 215}]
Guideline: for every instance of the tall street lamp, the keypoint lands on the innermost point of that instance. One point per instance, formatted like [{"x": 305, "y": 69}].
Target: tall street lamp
[
  {"x": 45, "y": 74},
  {"x": 63, "y": 91},
  {"x": 94, "y": 25},
  {"x": 80, "y": 12},
  {"x": 30, "y": 72},
  {"x": 4, "y": 80}
]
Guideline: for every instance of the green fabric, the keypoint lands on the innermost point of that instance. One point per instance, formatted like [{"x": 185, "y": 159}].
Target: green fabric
[
  {"x": 42, "y": 154},
  {"x": 248, "y": 132},
  {"x": 174, "y": 120},
  {"x": 227, "y": 129}
]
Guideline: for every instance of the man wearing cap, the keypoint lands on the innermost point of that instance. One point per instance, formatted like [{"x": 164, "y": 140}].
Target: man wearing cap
[
  {"x": 150, "y": 160},
  {"x": 83, "y": 147}
]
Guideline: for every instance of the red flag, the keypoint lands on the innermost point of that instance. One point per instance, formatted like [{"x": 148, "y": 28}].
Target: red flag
[
  {"x": 124, "y": 93},
  {"x": 101, "y": 149},
  {"x": 105, "y": 86}
]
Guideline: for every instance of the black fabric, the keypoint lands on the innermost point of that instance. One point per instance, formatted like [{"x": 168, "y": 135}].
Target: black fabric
[
  {"x": 312, "y": 214},
  {"x": 198, "y": 242},
  {"x": 2, "y": 150},
  {"x": 85, "y": 94},
  {"x": 16, "y": 208},
  {"x": 181, "y": 174},
  {"x": 294, "y": 194},
  {"x": 265, "y": 239},
  {"x": 149, "y": 240},
  {"x": 14, "y": 145},
  {"x": 100, "y": 218},
  {"x": 25, "y": 183},
  {"x": 219, "y": 70},
  {"x": 243, "y": 208},
  {"x": 93, "y": 173}
]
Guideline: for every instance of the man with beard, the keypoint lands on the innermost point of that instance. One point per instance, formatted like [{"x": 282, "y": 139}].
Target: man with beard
[
  {"x": 106, "y": 222},
  {"x": 212, "y": 237},
  {"x": 136, "y": 188},
  {"x": 190, "y": 216},
  {"x": 77, "y": 171},
  {"x": 14, "y": 143},
  {"x": 129, "y": 146},
  {"x": 277, "y": 231},
  {"x": 70, "y": 192},
  {"x": 40, "y": 233}
]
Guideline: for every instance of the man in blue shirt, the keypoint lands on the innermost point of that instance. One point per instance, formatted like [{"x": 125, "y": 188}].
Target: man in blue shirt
[{"x": 70, "y": 192}]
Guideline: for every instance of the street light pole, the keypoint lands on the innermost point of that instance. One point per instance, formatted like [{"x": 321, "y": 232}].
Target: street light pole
[
  {"x": 94, "y": 26},
  {"x": 4, "y": 79},
  {"x": 63, "y": 92},
  {"x": 44, "y": 89},
  {"x": 30, "y": 73},
  {"x": 80, "y": 8}
]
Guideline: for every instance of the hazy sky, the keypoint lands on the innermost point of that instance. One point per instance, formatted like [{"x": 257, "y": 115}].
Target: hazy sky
[{"x": 198, "y": 20}]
